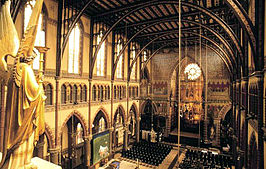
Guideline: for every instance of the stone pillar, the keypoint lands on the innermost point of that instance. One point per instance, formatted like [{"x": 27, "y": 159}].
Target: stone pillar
[
  {"x": 87, "y": 146},
  {"x": 111, "y": 130},
  {"x": 233, "y": 120},
  {"x": 125, "y": 137},
  {"x": 138, "y": 128},
  {"x": 168, "y": 120},
  {"x": 245, "y": 103},
  {"x": 260, "y": 76},
  {"x": 54, "y": 155}
]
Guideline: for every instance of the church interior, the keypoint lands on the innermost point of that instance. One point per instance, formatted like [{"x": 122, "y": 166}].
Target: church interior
[{"x": 148, "y": 83}]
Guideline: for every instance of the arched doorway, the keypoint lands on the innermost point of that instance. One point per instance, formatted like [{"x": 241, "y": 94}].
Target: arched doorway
[
  {"x": 99, "y": 124},
  {"x": 72, "y": 144},
  {"x": 132, "y": 128},
  {"x": 100, "y": 139},
  {"x": 148, "y": 113},
  {"x": 146, "y": 116},
  {"x": 119, "y": 122}
]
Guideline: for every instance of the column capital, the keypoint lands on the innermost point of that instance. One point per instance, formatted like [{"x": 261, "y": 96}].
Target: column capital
[
  {"x": 87, "y": 138},
  {"x": 42, "y": 49},
  {"x": 57, "y": 78},
  {"x": 111, "y": 129}
]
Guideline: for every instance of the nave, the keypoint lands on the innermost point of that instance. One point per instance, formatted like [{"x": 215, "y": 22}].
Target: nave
[{"x": 130, "y": 80}]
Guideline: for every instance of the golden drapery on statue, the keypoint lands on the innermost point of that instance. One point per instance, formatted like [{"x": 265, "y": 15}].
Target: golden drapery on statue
[{"x": 24, "y": 117}]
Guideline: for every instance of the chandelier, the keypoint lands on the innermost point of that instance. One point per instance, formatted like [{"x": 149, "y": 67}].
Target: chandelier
[{"x": 193, "y": 71}]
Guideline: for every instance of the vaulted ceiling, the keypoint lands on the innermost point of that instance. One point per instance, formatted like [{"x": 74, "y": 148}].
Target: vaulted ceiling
[{"x": 154, "y": 23}]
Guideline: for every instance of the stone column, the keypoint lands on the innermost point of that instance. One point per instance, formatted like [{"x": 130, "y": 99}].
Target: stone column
[
  {"x": 125, "y": 137},
  {"x": 168, "y": 120},
  {"x": 138, "y": 128},
  {"x": 54, "y": 155},
  {"x": 260, "y": 76},
  {"x": 233, "y": 119},
  {"x": 111, "y": 130},
  {"x": 245, "y": 103},
  {"x": 87, "y": 146}
]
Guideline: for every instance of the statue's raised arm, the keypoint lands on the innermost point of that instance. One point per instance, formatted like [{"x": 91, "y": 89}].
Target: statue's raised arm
[{"x": 24, "y": 118}]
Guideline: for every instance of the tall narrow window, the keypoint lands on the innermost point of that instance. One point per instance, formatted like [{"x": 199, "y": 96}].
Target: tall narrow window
[
  {"x": 124, "y": 92},
  {"x": 133, "y": 92},
  {"x": 100, "y": 66},
  {"x": 74, "y": 50},
  {"x": 84, "y": 93},
  {"x": 144, "y": 57},
  {"x": 94, "y": 93},
  {"x": 81, "y": 94},
  {"x": 133, "y": 56},
  {"x": 120, "y": 92},
  {"x": 40, "y": 37},
  {"x": 63, "y": 94},
  {"x": 70, "y": 94},
  {"x": 105, "y": 93},
  {"x": 114, "y": 92},
  {"x": 75, "y": 94},
  {"x": 101, "y": 93},
  {"x": 108, "y": 92},
  {"x": 48, "y": 93},
  {"x": 119, "y": 68}
]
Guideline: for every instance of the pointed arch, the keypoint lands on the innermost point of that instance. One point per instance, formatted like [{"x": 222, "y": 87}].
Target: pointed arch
[
  {"x": 101, "y": 114},
  {"x": 80, "y": 117},
  {"x": 133, "y": 105},
  {"x": 120, "y": 110},
  {"x": 50, "y": 136}
]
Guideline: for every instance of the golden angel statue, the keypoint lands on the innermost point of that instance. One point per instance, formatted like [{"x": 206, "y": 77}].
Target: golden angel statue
[{"x": 24, "y": 118}]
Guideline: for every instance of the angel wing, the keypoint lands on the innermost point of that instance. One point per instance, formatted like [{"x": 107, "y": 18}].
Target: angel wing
[
  {"x": 9, "y": 42},
  {"x": 27, "y": 43}
]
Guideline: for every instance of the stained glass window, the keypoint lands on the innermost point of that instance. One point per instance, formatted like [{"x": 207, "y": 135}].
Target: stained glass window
[
  {"x": 49, "y": 95},
  {"x": 74, "y": 49},
  {"x": 100, "y": 67},
  {"x": 120, "y": 61},
  {"x": 63, "y": 94},
  {"x": 144, "y": 56},
  {"x": 193, "y": 71},
  {"x": 40, "y": 37},
  {"x": 133, "y": 56}
]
